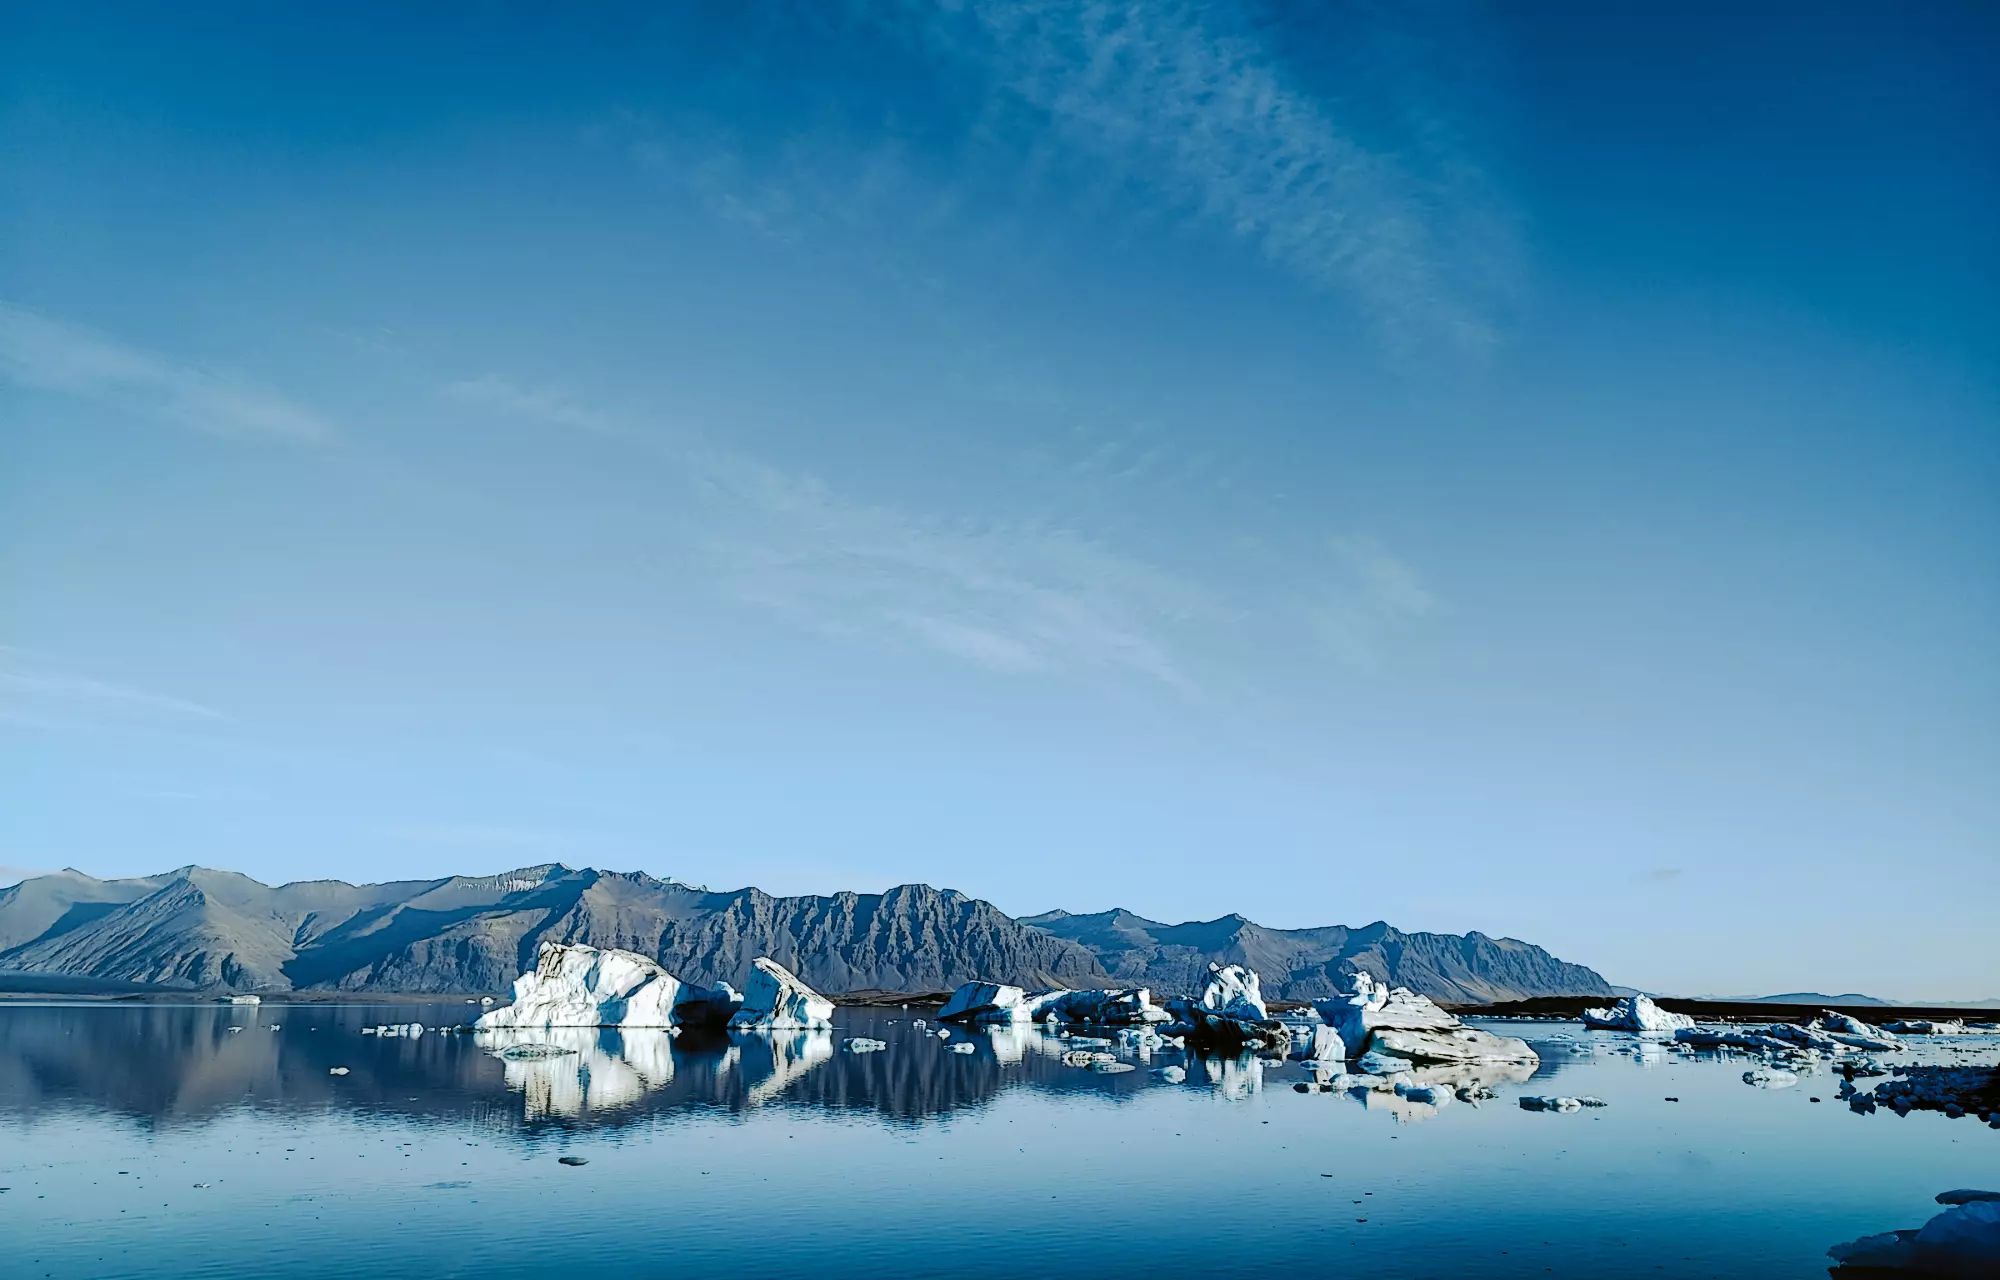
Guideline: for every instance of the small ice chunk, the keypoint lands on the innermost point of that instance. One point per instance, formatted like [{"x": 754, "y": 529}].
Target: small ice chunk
[{"x": 863, "y": 1044}]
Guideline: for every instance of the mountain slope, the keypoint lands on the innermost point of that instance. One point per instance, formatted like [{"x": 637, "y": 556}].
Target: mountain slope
[
  {"x": 1305, "y": 964},
  {"x": 197, "y": 928},
  {"x": 200, "y": 929}
]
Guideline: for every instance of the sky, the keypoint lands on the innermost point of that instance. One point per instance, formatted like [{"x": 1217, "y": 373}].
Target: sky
[{"x": 1532, "y": 469}]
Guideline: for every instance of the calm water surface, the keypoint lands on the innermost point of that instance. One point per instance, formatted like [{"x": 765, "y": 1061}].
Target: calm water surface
[{"x": 155, "y": 1141}]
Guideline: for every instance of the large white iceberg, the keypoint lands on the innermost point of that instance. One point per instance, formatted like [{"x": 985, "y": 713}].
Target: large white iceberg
[
  {"x": 573, "y": 985},
  {"x": 1635, "y": 1013},
  {"x": 1234, "y": 992},
  {"x": 1399, "y": 1023},
  {"x": 1370, "y": 1006},
  {"x": 776, "y": 1000}
]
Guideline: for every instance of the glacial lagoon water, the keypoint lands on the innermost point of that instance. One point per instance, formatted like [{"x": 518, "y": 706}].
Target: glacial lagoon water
[{"x": 195, "y": 1141}]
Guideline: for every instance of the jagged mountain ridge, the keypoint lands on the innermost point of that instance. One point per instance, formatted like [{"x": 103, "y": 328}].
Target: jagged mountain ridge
[
  {"x": 1307, "y": 964},
  {"x": 199, "y": 929},
  {"x": 196, "y": 928}
]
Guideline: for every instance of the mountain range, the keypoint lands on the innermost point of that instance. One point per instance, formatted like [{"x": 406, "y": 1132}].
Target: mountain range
[{"x": 200, "y": 929}]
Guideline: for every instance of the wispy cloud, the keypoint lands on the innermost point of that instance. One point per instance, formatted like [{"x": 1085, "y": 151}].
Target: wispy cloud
[
  {"x": 54, "y": 355},
  {"x": 1008, "y": 596},
  {"x": 1664, "y": 875},
  {"x": 31, "y": 693},
  {"x": 1193, "y": 102},
  {"x": 1371, "y": 593},
  {"x": 1011, "y": 596}
]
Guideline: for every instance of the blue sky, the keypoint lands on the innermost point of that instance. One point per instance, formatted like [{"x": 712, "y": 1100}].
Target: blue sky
[{"x": 1525, "y": 469}]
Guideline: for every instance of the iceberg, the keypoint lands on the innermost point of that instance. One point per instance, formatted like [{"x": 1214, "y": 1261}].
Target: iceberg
[
  {"x": 1964, "y": 1240},
  {"x": 1357, "y": 1015},
  {"x": 1132, "y": 1006},
  {"x": 1856, "y": 1034},
  {"x": 1459, "y": 1044},
  {"x": 863, "y": 1044},
  {"x": 1315, "y": 1043},
  {"x": 775, "y": 1000},
  {"x": 1234, "y": 992},
  {"x": 1385, "y": 1023},
  {"x": 985, "y": 1002},
  {"x": 573, "y": 985},
  {"x": 1221, "y": 1032},
  {"x": 1635, "y": 1013}
]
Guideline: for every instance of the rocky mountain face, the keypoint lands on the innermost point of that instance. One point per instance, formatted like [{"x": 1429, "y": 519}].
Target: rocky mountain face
[
  {"x": 1307, "y": 964},
  {"x": 199, "y": 929}
]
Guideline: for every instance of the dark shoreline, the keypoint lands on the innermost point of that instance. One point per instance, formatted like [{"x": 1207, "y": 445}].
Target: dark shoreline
[{"x": 1727, "y": 1010}]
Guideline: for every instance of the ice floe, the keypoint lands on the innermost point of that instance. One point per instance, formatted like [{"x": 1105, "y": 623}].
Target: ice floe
[{"x": 1769, "y": 1078}]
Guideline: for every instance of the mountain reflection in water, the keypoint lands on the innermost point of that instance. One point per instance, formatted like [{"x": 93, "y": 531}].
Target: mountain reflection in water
[{"x": 175, "y": 1064}]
